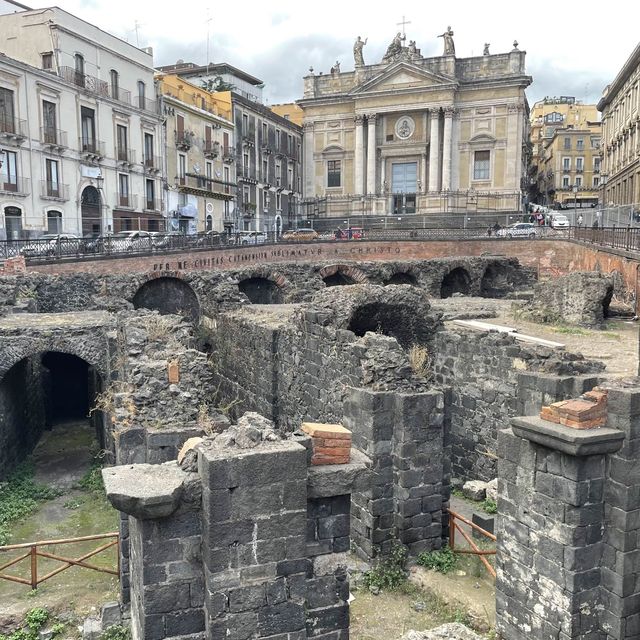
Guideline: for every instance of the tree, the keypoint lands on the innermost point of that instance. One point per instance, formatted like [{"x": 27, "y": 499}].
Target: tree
[{"x": 217, "y": 84}]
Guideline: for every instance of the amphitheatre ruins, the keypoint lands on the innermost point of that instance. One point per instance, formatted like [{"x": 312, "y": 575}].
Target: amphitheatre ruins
[{"x": 258, "y": 357}]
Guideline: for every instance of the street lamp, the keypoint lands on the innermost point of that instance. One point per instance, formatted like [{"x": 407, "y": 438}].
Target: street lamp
[{"x": 575, "y": 203}]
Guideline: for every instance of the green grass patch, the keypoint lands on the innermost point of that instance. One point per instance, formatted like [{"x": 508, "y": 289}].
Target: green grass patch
[
  {"x": 443, "y": 560},
  {"x": 92, "y": 479},
  {"x": 117, "y": 632},
  {"x": 489, "y": 506},
  {"x": 570, "y": 331},
  {"x": 611, "y": 334},
  {"x": 20, "y": 496},
  {"x": 33, "y": 622},
  {"x": 390, "y": 572}
]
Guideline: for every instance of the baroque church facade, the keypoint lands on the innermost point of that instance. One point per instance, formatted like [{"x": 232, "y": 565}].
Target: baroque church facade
[{"x": 416, "y": 135}]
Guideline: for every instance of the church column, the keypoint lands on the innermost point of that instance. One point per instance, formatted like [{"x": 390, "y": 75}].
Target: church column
[
  {"x": 446, "y": 148},
  {"x": 359, "y": 156},
  {"x": 308, "y": 184},
  {"x": 434, "y": 148},
  {"x": 371, "y": 153}
]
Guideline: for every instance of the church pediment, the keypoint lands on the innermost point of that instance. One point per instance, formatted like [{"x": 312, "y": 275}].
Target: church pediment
[{"x": 403, "y": 75}]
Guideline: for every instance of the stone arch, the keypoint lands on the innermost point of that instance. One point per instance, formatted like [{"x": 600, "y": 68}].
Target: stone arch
[
  {"x": 397, "y": 320},
  {"x": 402, "y": 277},
  {"x": 457, "y": 280},
  {"x": 497, "y": 280},
  {"x": 606, "y": 301},
  {"x": 168, "y": 293},
  {"x": 91, "y": 211},
  {"x": 263, "y": 286},
  {"x": 342, "y": 274},
  {"x": 40, "y": 388}
]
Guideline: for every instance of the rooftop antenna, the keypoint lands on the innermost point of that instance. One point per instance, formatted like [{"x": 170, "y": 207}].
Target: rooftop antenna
[
  {"x": 402, "y": 24},
  {"x": 136, "y": 27},
  {"x": 208, "y": 29}
]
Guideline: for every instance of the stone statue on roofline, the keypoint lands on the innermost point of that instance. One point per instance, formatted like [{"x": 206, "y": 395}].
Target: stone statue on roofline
[
  {"x": 395, "y": 48},
  {"x": 449, "y": 46},
  {"x": 358, "y": 45}
]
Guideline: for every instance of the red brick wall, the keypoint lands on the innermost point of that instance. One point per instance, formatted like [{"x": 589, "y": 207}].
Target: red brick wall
[{"x": 549, "y": 257}]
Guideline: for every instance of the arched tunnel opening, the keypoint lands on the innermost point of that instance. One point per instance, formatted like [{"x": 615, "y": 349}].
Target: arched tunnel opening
[
  {"x": 606, "y": 303},
  {"x": 457, "y": 280},
  {"x": 338, "y": 279},
  {"x": 402, "y": 277},
  {"x": 397, "y": 321},
  {"x": 261, "y": 290},
  {"x": 496, "y": 281},
  {"x": 168, "y": 295},
  {"x": 46, "y": 403}
]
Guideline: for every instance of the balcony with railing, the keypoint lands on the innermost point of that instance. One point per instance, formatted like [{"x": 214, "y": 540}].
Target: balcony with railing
[
  {"x": 13, "y": 185},
  {"x": 211, "y": 148},
  {"x": 152, "y": 204},
  {"x": 84, "y": 81},
  {"x": 228, "y": 154},
  {"x": 184, "y": 140},
  {"x": 53, "y": 137},
  {"x": 125, "y": 155},
  {"x": 120, "y": 94},
  {"x": 247, "y": 209},
  {"x": 144, "y": 103},
  {"x": 12, "y": 128},
  {"x": 246, "y": 173},
  {"x": 92, "y": 149},
  {"x": 54, "y": 190},
  {"x": 152, "y": 164},
  {"x": 126, "y": 200}
]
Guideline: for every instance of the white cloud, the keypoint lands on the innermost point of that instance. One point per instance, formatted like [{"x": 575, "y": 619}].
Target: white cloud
[{"x": 572, "y": 49}]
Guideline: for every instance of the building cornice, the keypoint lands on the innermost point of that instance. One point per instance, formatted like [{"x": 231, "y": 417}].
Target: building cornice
[
  {"x": 196, "y": 110},
  {"x": 611, "y": 91}
]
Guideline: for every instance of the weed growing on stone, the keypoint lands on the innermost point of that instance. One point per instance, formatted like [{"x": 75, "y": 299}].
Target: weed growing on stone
[
  {"x": 389, "y": 573},
  {"x": 20, "y": 496},
  {"x": 489, "y": 506},
  {"x": 420, "y": 361},
  {"x": 74, "y": 503},
  {"x": 442, "y": 560},
  {"x": 33, "y": 622},
  {"x": 92, "y": 479},
  {"x": 117, "y": 632}
]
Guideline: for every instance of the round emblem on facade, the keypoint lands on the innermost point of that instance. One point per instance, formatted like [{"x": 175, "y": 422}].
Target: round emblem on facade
[{"x": 405, "y": 126}]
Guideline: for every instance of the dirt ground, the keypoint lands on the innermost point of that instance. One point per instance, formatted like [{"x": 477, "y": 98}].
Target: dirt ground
[{"x": 616, "y": 345}]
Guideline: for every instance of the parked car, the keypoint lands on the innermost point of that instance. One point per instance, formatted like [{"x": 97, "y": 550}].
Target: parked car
[
  {"x": 560, "y": 221},
  {"x": 169, "y": 240},
  {"x": 131, "y": 241},
  {"x": 351, "y": 233},
  {"x": 209, "y": 239},
  {"x": 251, "y": 237},
  {"x": 300, "y": 235},
  {"x": 518, "y": 230},
  {"x": 52, "y": 244}
]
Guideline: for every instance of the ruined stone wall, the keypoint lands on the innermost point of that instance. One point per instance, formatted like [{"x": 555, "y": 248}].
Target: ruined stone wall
[
  {"x": 295, "y": 363},
  {"x": 489, "y": 378},
  {"x": 578, "y": 298},
  {"x": 22, "y": 412}
]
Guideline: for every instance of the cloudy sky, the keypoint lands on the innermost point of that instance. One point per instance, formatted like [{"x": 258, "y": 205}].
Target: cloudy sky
[{"x": 572, "y": 48}]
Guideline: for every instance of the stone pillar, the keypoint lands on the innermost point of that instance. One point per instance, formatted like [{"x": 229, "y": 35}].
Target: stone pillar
[
  {"x": 407, "y": 490},
  {"x": 447, "y": 148},
  {"x": 371, "y": 153},
  {"x": 551, "y": 520},
  {"x": 434, "y": 150},
  {"x": 423, "y": 173},
  {"x": 254, "y": 540},
  {"x": 359, "y": 156},
  {"x": 167, "y": 580}
]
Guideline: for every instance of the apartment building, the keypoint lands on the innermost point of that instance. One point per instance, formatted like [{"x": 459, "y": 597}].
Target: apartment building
[
  {"x": 80, "y": 129},
  {"x": 569, "y": 170},
  {"x": 620, "y": 107},
  {"x": 199, "y": 154},
  {"x": 267, "y": 149}
]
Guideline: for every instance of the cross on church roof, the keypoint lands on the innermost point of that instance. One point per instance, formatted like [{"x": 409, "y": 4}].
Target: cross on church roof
[{"x": 403, "y": 23}]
